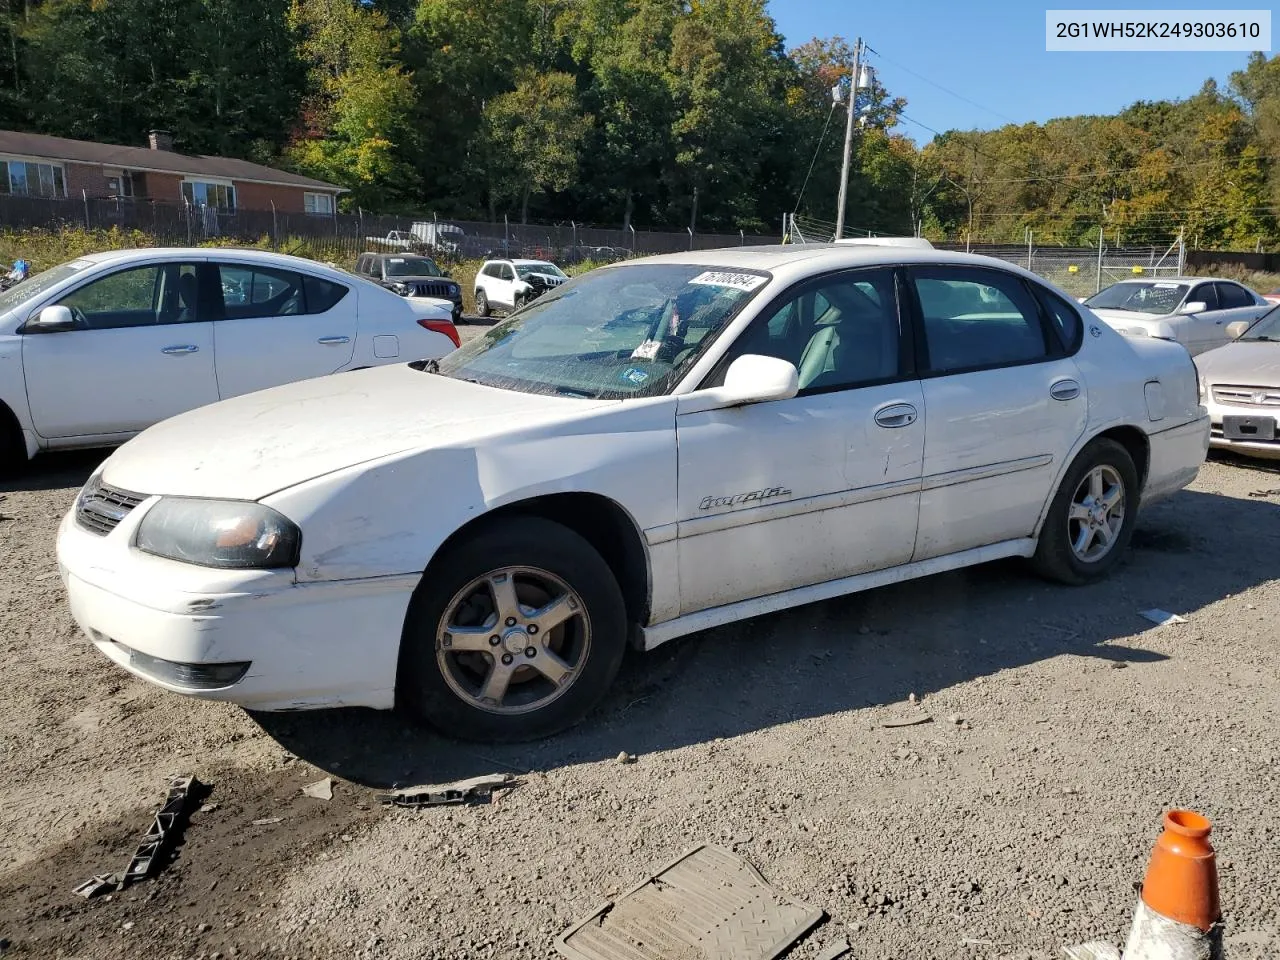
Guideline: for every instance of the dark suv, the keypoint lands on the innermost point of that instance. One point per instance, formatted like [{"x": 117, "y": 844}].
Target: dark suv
[{"x": 411, "y": 275}]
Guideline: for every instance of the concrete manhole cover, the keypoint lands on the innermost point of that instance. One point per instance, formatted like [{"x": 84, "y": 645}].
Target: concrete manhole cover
[{"x": 707, "y": 905}]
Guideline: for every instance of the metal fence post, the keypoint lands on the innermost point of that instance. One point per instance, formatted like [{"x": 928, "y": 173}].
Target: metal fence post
[
  {"x": 632, "y": 228},
  {"x": 275, "y": 226},
  {"x": 690, "y": 229},
  {"x": 1102, "y": 232},
  {"x": 506, "y": 236},
  {"x": 1028, "y": 248},
  {"x": 742, "y": 238},
  {"x": 85, "y": 195}
]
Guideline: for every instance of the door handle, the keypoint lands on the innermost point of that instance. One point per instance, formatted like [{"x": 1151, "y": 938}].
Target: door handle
[
  {"x": 896, "y": 415},
  {"x": 181, "y": 348},
  {"x": 1064, "y": 390},
  {"x": 330, "y": 341}
]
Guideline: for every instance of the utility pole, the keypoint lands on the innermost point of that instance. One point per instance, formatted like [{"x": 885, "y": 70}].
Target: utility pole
[{"x": 848, "y": 139}]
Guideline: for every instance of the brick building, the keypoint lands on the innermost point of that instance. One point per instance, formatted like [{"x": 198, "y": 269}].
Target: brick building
[{"x": 32, "y": 164}]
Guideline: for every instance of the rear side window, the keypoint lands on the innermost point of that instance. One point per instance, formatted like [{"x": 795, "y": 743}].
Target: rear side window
[
  {"x": 267, "y": 292},
  {"x": 977, "y": 319},
  {"x": 1063, "y": 318},
  {"x": 321, "y": 295},
  {"x": 1231, "y": 296}
]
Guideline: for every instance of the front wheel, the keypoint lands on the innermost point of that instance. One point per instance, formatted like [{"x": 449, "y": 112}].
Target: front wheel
[
  {"x": 512, "y": 635},
  {"x": 1091, "y": 518}
]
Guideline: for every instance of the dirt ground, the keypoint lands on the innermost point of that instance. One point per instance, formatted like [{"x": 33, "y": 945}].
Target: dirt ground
[{"x": 1016, "y": 821}]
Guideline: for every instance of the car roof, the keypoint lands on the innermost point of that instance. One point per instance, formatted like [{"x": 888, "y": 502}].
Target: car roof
[
  {"x": 1172, "y": 280},
  {"x": 526, "y": 263},
  {"x": 821, "y": 256},
  {"x": 242, "y": 254}
]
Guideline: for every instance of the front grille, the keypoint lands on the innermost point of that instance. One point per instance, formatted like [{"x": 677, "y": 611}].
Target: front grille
[
  {"x": 440, "y": 291},
  {"x": 102, "y": 508},
  {"x": 1247, "y": 396}
]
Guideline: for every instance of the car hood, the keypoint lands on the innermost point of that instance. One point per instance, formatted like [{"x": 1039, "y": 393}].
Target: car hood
[
  {"x": 252, "y": 446},
  {"x": 422, "y": 279},
  {"x": 1248, "y": 363}
]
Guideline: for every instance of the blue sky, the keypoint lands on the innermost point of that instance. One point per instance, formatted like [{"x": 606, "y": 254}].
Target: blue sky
[{"x": 993, "y": 54}]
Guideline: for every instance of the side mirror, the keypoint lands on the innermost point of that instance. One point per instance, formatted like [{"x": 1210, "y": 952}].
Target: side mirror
[
  {"x": 52, "y": 320},
  {"x": 449, "y": 274},
  {"x": 1195, "y": 306},
  {"x": 1236, "y": 330},
  {"x": 750, "y": 379}
]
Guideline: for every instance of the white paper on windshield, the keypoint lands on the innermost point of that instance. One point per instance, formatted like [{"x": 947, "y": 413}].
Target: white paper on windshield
[
  {"x": 738, "y": 281},
  {"x": 1167, "y": 286},
  {"x": 647, "y": 350}
]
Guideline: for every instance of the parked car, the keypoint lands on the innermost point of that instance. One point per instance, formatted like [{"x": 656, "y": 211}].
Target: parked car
[
  {"x": 789, "y": 425},
  {"x": 447, "y": 238},
  {"x": 1240, "y": 384},
  {"x": 97, "y": 349},
  {"x": 510, "y": 284},
  {"x": 413, "y": 275},
  {"x": 1194, "y": 312}
]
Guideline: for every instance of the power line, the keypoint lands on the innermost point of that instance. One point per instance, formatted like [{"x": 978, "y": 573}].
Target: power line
[
  {"x": 972, "y": 103},
  {"x": 822, "y": 139}
]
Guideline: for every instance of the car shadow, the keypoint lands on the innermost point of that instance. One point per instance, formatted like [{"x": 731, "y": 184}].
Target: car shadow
[
  {"x": 54, "y": 471},
  {"x": 845, "y": 654}
]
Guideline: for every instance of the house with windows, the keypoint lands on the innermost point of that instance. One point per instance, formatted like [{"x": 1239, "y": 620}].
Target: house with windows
[{"x": 35, "y": 165}]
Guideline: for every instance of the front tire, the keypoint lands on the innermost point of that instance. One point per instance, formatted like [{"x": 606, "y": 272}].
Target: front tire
[
  {"x": 1091, "y": 519},
  {"x": 514, "y": 634},
  {"x": 482, "y": 304}
]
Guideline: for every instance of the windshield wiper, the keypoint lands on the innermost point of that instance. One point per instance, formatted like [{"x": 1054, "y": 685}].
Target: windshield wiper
[
  {"x": 573, "y": 392},
  {"x": 1263, "y": 339},
  {"x": 426, "y": 366}
]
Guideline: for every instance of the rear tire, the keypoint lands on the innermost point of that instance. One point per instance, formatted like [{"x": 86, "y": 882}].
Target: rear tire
[
  {"x": 557, "y": 615},
  {"x": 482, "y": 304},
  {"x": 13, "y": 451},
  {"x": 1091, "y": 518}
]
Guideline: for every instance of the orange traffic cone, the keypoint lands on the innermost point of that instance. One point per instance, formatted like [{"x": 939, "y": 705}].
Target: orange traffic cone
[{"x": 1178, "y": 915}]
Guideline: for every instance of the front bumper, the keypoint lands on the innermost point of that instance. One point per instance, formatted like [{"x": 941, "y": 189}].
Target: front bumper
[
  {"x": 306, "y": 645},
  {"x": 1262, "y": 449}
]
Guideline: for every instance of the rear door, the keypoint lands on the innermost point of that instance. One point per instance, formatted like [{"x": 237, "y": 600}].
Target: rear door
[
  {"x": 1004, "y": 403},
  {"x": 277, "y": 325},
  {"x": 143, "y": 352}
]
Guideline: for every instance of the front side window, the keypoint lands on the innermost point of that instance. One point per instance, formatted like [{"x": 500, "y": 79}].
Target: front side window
[
  {"x": 23, "y": 178},
  {"x": 1204, "y": 293},
  {"x": 138, "y": 297},
  {"x": 613, "y": 333},
  {"x": 840, "y": 332},
  {"x": 975, "y": 318},
  {"x": 1157, "y": 297},
  {"x": 218, "y": 196}
]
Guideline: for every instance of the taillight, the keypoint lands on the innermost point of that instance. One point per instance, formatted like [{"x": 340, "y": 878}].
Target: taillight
[{"x": 442, "y": 326}]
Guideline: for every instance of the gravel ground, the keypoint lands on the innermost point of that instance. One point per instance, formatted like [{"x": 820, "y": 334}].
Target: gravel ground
[{"x": 1016, "y": 821}]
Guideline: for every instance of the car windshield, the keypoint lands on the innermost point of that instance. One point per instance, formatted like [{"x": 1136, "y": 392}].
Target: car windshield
[
  {"x": 412, "y": 267},
  {"x": 524, "y": 269},
  {"x": 38, "y": 283},
  {"x": 612, "y": 333},
  {"x": 1267, "y": 328},
  {"x": 1156, "y": 297}
]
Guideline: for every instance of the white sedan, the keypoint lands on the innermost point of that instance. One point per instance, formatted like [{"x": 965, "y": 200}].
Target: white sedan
[
  {"x": 1193, "y": 311},
  {"x": 1240, "y": 384},
  {"x": 652, "y": 449},
  {"x": 100, "y": 348}
]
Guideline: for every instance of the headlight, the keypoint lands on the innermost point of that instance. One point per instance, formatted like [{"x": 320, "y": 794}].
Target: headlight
[
  {"x": 1204, "y": 390},
  {"x": 219, "y": 533},
  {"x": 401, "y": 288}
]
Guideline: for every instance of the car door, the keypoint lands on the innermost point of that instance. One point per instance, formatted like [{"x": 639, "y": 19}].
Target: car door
[
  {"x": 1234, "y": 303},
  {"x": 278, "y": 325},
  {"x": 1199, "y": 331},
  {"x": 142, "y": 351},
  {"x": 1003, "y": 404},
  {"x": 507, "y": 285},
  {"x": 778, "y": 495}
]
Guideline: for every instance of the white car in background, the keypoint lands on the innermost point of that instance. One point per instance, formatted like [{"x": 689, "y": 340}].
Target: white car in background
[
  {"x": 100, "y": 348},
  {"x": 510, "y": 284},
  {"x": 1191, "y": 310},
  {"x": 1240, "y": 384},
  {"x": 656, "y": 448}
]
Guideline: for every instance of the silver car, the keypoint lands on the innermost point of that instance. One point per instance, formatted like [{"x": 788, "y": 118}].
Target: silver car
[
  {"x": 1240, "y": 384},
  {"x": 1193, "y": 311}
]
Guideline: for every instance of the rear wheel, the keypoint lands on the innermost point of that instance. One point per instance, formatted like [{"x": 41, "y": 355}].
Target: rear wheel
[
  {"x": 13, "y": 452},
  {"x": 514, "y": 634},
  {"x": 1091, "y": 518},
  {"x": 482, "y": 303}
]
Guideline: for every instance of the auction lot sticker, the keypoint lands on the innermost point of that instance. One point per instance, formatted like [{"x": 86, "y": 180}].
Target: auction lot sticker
[
  {"x": 720, "y": 278},
  {"x": 1168, "y": 30}
]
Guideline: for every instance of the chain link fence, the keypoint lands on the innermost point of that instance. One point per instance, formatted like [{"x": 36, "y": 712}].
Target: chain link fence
[{"x": 341, "y": 238}]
